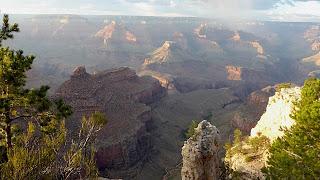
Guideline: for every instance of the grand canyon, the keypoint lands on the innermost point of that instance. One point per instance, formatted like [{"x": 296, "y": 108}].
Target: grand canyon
[{"x": 153, "y": 76}]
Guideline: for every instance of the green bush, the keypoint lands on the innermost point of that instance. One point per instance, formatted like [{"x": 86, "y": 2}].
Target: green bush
[
  {"x": 296, "y": 154},
  {"x": 191, "y": 130},
  {"x": 282, "y": 86}
]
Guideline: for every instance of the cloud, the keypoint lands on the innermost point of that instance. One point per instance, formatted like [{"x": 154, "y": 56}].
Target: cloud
[
  {"x": 227, "y": 9},
  {"x": 296, "y": 11}
]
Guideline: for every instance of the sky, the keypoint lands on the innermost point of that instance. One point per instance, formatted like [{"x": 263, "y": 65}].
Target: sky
[{"x": 278, "y": 10}]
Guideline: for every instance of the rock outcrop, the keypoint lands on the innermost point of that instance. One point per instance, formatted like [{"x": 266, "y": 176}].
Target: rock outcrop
[
  {"x": 236, "y": 73},
  {"x": 248, "y": 157},
  {"x": 315, "y": 59},
  {"x": 116, "y": 31},
  {"x": 200, "y": 154},
  {"x": 312, "y": 35},
  {"x": 123, "y": 97},
  {"x": 248, "y": 43},
  {"x": 258, "y": 47},
  {"x": 277, "y": 115},
  {"x": 166, "y": 80},
  {"x": 169, "y": 52},
  {"x": 201, "y": 31}
]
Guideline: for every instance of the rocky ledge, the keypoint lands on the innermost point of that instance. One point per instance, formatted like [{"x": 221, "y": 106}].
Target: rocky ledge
[{"x": 123, "y": 97}]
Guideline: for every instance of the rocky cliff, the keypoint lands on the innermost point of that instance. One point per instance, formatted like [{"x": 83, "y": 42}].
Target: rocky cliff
[
  {"x": 277, "y": 115},
  {"x": 200, "y": 154},
  {"x": 249, "y": 156},
  {"x": 123, "y": 97}
]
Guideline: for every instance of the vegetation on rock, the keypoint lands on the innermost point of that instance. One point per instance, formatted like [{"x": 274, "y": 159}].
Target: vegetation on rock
[
  {"x": 191, "y": 130},
  {"x": 296, "y": 154},
  {"x": 283, "y": 85},
  {"x": 250, "y": 147},
  {"x": 245, "y": 156}
]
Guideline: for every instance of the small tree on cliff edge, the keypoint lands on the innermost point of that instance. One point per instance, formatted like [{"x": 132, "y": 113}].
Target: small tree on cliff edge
[{"x": 296, "y": 155}]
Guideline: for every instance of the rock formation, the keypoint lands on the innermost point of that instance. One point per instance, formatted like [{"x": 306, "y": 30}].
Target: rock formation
[
  {"x": 277, "y": 115},
  {"x": 312, "y": 35},
  {"x": 169, "y": 52},
  {"x": 257, "y": 45},
  {"x": 236, "y": 73},
  {"x": 248, "y": 43},
  {"x": 315, "y": 59},
  {"x": 123, "y": 97},
  {"x": 117, "y": 31},
  {"x": 253, "y": 153},
  {"x": 166, "y": 80},
  {"x": 201, "y": 31},
  {"x": 200, "y": 154},
  {"x": 236, "y": 37}
]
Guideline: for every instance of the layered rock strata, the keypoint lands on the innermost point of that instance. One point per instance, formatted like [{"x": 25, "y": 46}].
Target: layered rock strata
[{"x": 123, "y": 97}]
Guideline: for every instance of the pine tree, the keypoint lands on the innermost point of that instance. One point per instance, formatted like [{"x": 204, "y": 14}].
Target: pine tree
[
  {"x": 296, "y": 155},
  {"x": 191, "y": 130},
  {"x": 40, "y": 151},
  {"x": 16, "y": 102}
]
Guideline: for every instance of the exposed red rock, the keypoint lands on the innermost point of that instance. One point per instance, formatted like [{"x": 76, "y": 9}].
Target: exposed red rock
[
  {"x": 236, "y": 73},
  {"x": 117, "y": 31},
  {"x": 123, "y": 96}
]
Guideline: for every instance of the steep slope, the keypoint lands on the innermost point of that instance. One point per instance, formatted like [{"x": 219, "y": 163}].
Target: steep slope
[
  {"x": 169, "y": 52},
  {"x": 122, "y": 96}
]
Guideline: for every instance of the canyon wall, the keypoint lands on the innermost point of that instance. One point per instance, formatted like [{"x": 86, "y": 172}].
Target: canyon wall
[{"x": 123, "y": 97}]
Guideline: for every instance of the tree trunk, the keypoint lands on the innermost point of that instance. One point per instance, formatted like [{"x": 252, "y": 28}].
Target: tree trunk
[
  {"x": 8, "y": 136},
  {"x": 8, "y": 128}
]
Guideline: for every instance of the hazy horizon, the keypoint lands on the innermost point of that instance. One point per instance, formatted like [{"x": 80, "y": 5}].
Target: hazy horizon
[{"x": 272, "y": 10}]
